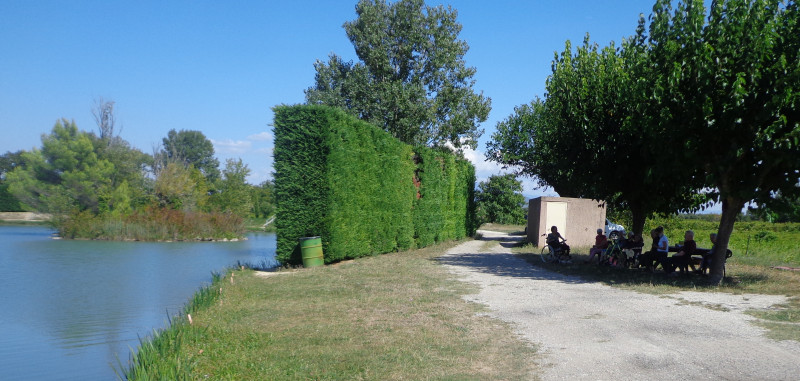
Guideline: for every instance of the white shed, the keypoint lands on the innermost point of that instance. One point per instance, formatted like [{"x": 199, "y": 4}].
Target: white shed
[{"x": 577, "y": 219}]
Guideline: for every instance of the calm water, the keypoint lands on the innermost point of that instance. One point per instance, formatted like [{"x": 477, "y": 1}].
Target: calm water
[{"x": 70, "y": 309}]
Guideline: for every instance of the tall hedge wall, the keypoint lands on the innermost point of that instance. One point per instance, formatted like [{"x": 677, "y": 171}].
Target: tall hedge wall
[{"x": 360, "y": 189}]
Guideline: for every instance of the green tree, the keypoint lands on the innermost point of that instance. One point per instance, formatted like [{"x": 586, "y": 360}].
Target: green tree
[
  {"x": 181, "y": 188},
  {"x": 263, "y": 198},
  {"x": 9, "y": 161},
  {"x": 499, "y": 200},
  {"x": 778, "y": 209},
  {"x": 585, "y": 138},
  {"x": 411, "y": 79},
  {"x": 192, "y": 148},
  {"x": 131, "y": 165},
  {"x": 728, "y": 88},
  {"x": 65, "y": 175},
  {"x": 233, "y": 194}
]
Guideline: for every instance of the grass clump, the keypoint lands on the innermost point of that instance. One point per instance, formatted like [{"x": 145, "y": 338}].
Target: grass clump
[
  {"x": 510, "y": 229},
  {"x": 159, "y": 357},
  {"x": 395, "y": 316}
]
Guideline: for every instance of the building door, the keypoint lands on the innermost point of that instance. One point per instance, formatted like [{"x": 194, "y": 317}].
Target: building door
[{"x": 556, "y": 216}]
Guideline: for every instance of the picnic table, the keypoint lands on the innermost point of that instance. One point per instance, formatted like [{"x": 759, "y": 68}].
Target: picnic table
[{"x": 699, "y": 252}]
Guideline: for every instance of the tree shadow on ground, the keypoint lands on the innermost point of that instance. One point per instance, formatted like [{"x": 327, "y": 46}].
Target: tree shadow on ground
[
  {"x": 505, "y": 264},
  {"x": 530, "y": 266}
]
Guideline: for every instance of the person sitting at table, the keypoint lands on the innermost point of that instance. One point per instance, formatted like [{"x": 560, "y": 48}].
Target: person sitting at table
[
  {"x": 658, "y": 251},
  {"x": 600, "y": 244},
  {"x": 632, "y": 245},
  {"x": 683, "y": 257}
]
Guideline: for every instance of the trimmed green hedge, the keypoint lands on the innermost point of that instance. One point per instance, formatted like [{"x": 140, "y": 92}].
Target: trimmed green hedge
[{"x": 363, "y": 191}]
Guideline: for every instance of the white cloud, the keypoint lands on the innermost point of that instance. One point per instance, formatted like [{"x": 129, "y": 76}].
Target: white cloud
[
  {"x": 229, "y": 146},
  {"x": 485, "y": 168},
  {"x": 261, "y": 136},
  {"x": 260, "y": 175}
]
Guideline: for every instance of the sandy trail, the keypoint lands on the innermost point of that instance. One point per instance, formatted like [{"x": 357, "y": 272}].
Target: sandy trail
[{"x": 589, "y": 331}]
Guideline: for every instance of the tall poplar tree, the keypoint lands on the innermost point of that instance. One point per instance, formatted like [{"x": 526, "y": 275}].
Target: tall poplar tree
[{"x": 411, "y": 80}]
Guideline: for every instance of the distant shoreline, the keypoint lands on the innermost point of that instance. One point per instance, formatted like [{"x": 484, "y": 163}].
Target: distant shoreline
[{"x": 24, "y": 217}]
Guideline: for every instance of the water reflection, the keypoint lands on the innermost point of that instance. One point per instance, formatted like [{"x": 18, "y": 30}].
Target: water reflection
[{"x": 69, "y": 309}]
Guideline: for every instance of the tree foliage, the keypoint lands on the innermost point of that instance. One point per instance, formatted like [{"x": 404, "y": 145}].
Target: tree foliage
[
  {"x": 778, "y": 209},
  {"x": 262, "y": 197},
  {"x": 701, "y": 101},
  {"x": 499, "y": 200},
  {"x": 233, "y": 193},
  {"x": 411, "y": 80},
  {"x": 585, "y": 139},
  {"x": 191, "y": 147},
  {"x": 729, "y": 91},
  {"x": 180, "y": 187},
  {"x": 9, "y": 161},
  {"x": 65, "y": 174}
]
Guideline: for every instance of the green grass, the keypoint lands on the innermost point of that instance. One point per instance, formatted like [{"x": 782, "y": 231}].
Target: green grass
[
  {"x": 753, "y": 243},
  {"x": 257, "y": 225},
  {"x": 387, "y": 317},
  {"x": 510, "y": 229},
  {"x": 158, "y": 357}
]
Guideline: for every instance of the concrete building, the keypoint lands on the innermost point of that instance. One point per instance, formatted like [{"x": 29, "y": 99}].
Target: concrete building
[{"x": 577, "y": 219}]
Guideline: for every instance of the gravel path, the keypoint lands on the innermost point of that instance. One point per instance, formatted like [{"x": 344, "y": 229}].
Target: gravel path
[{"x": 589, "y": 331}]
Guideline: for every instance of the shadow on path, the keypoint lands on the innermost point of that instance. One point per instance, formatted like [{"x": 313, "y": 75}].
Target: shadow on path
[{"x": 505, "y": 264}]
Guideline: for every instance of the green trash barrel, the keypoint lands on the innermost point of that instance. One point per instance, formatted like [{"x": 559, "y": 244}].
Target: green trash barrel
[{"x": 311, "y": 249}]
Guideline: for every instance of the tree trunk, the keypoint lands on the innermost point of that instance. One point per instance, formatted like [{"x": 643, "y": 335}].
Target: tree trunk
[
  {"x": 638, "y": 219},
  {"x": 730, "y": 209}
]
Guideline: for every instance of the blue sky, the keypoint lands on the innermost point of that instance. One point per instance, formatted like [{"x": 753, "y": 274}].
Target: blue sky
[{"x": 220, "y": 66}]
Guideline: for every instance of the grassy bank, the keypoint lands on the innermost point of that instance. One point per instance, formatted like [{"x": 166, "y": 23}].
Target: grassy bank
[
  {"x": 257, "y": 225},
  {"x": 394, "y": 316}
]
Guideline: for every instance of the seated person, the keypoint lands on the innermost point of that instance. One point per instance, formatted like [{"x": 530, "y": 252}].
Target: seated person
[
  {"x": 683, "y": 257},
  {"x": 633, "y": 245},
  {"x": 600, "y": 244},
  {"x": 658, "y": 250},
  {"x": 556, "y": 241}
]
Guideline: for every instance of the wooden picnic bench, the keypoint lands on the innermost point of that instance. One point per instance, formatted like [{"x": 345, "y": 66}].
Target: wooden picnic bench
[{"x": 698, "y": 257}]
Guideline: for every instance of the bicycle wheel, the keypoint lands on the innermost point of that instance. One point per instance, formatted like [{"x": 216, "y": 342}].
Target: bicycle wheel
[{"x": 547, "y": 255}]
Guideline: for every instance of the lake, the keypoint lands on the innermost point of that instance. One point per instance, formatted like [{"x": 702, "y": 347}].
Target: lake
[{"x": 74, "y": 309}]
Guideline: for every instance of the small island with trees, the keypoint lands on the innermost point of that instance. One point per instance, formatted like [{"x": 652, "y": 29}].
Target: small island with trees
[{"x": 96, "y": 186}]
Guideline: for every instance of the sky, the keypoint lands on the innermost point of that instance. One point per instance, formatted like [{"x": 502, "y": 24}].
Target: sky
[{"x": 220, "y": 66}]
